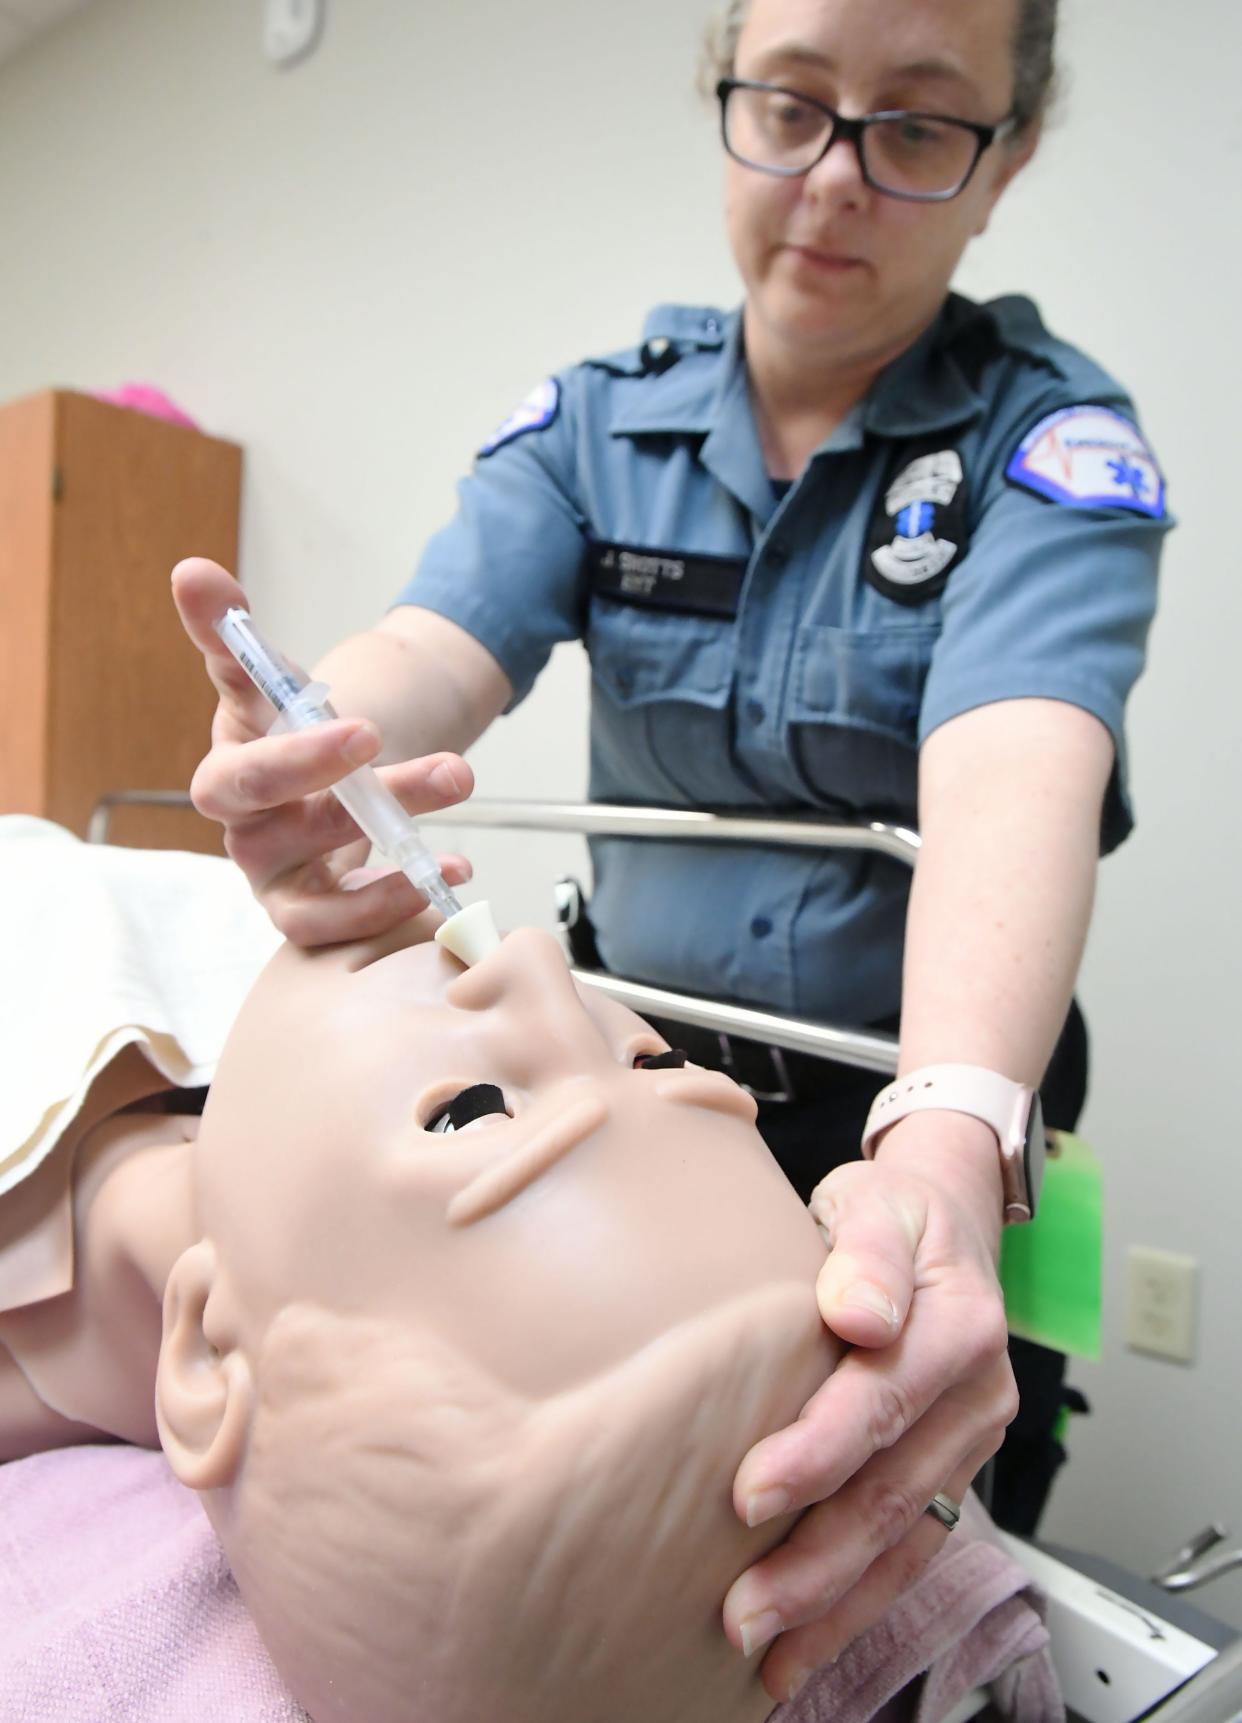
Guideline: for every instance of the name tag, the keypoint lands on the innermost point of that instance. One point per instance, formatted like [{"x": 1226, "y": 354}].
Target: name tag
[{"x": 690, "y": 583}]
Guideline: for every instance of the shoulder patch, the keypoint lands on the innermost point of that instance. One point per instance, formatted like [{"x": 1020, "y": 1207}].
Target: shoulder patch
[
  {"x": 1089, "y": 457},
  {"x": 535, "y": 413}
]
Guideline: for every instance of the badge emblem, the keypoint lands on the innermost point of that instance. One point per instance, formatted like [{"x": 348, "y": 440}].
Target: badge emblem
[{"x": 918, "y": 533}]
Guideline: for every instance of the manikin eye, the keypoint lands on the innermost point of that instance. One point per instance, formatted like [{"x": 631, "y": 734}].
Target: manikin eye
[
  {"x": 472, "y": 1103},
  {"x": 669, "y": 1061}
]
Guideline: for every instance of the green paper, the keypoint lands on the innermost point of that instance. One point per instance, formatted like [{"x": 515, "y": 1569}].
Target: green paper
[{"x": 1050, "y": 1269}]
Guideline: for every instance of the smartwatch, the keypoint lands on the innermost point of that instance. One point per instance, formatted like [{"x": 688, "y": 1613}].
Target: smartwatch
[{"x": 1011, "y": 1109}]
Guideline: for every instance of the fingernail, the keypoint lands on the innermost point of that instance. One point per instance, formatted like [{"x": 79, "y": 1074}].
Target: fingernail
[
  {"x": 797, "y": 1681},
  {"x": 360, "y": 746},
  {"x": 863, "y": 1296},
  {"x": 759, "y": 1630},
  {"x": 444, "y": 779},
  {"x": 765, "y": 1505}
]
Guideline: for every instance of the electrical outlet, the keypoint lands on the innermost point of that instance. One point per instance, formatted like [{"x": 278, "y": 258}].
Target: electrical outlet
[
  {"x": 291, "y": 29},
  {"x": 1161, "y": 1305}
]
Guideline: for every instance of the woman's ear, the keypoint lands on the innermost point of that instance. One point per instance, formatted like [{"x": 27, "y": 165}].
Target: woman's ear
[
  {"x": 204, "y": 1389},
  {"x": 1013, "y": 158}
]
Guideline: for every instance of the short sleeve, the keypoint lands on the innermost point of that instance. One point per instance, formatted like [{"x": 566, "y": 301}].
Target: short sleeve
[
  {"x": 1053, "y": 601},
  {"x": 507, "y": 567}
]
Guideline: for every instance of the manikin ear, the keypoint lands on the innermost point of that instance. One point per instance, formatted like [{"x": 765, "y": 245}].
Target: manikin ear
[{"x": 204, "y": 1390}]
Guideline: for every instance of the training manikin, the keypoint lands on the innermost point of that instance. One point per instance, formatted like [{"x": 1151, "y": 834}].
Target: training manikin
[{"x": 464, "y": 1405}]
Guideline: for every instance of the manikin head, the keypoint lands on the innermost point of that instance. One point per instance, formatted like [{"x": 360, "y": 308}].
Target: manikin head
[{"x": 465, "y": 1406}]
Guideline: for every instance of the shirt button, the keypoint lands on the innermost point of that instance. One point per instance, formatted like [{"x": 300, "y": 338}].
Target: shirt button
[
  {"x": 623, "y": 682},
  {"x": 776, "y": 556},
  {"x": 711, "y": 325},
  {"x": 761, "y": 927},
  {"x": 755, "y": 712}
]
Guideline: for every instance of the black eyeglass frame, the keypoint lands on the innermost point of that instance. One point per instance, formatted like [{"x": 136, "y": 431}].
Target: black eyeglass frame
[{"x": 853, "y": 132}]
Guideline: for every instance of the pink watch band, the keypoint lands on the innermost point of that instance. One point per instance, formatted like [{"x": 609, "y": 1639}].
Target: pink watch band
[{"x": 997, "y": 1101}]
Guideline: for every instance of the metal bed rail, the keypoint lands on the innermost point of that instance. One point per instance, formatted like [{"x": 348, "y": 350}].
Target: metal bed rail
[
  {"x": 101, "y": 814},
  {"x": 867, "y": 1050},
  {"x": 614, "y": 819}
]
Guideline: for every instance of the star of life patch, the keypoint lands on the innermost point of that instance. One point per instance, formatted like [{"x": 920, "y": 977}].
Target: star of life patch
[
  {"x": 533, "y": 414},
  {"x": 1089, "y": 457}
]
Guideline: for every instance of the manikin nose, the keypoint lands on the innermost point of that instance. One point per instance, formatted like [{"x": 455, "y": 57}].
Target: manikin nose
[
  {"x": 530, "y": 965},
  {"x": 528, "y": 976}
]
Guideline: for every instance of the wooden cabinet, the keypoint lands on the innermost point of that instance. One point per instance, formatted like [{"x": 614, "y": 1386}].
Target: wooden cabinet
[{"x": 99, "y": 688}]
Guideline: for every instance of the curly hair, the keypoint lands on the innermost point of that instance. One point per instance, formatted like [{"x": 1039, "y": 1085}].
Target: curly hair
[{"x": 1034, "y": 58}]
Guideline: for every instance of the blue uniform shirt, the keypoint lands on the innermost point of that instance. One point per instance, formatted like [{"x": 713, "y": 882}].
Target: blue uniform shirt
[{"x": 985, "y": 525}]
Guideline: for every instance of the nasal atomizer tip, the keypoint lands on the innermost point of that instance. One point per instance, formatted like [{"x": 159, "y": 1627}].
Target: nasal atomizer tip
[{"x": 470, "y": 934}]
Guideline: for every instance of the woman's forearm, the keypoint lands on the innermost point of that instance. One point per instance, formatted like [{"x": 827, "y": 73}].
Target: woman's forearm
[
  {"x": 422, "y": 679},
  {"x": 1009, "y": 813}
]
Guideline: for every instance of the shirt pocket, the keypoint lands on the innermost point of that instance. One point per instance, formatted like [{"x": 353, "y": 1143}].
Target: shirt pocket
[
  {"x": 854, "y": 715},
  {"x": 661, "y": 729},
  {"x": 640, "y": 656}
]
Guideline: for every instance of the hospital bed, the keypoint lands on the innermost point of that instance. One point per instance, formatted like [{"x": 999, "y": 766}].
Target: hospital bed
[{"x": 1125, "y": 1649}]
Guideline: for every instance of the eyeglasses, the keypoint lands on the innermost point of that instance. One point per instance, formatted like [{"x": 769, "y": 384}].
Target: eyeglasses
[{"x": 926, "y": 158}]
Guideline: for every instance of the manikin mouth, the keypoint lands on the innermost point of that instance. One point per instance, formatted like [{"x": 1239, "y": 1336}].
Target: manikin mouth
[
  {"x": 576, "y": 1119},
  {"x": 502, "y": 1180},
  {"x": 695, "y": 1086}
]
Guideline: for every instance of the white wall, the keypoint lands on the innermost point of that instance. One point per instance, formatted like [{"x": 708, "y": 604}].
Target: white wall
[
  {"x": 357, "y": 267},
  {"x": 1127, "y": 232}
]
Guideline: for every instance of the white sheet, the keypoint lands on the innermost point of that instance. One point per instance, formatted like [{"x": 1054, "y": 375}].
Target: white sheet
[{"x": 101, "y": 947}]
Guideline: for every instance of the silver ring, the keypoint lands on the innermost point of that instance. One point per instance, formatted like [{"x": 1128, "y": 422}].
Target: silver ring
[{"x": 942, "y": 1507}]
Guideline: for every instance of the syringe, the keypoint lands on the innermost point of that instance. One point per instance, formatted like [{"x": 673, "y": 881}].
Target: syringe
[{"x": 299, "y": 704}]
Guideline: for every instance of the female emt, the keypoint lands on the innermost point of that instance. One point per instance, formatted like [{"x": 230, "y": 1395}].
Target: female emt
[{"x": 863, "y": 548}]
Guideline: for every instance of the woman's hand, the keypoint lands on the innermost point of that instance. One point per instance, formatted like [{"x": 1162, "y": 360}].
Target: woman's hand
[
  {"x": 300, "y": 850},
  {"x": 916, "y": 1407}
]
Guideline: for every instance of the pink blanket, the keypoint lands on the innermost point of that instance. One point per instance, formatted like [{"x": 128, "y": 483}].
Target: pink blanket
[
  {"x": 117, "y": 1606},
  {"x": 116, "y": 1603}
]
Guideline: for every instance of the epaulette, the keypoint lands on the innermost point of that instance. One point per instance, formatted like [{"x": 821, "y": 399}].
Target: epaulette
[
  {"x": 1012, "y": 324},
  {"x": 670, "y": 333}
]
